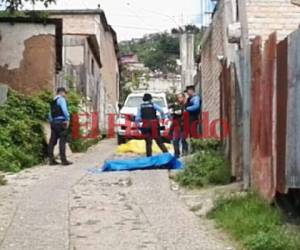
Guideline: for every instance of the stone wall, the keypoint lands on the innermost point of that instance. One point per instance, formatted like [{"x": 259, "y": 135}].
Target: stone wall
[{"x": 28, "y": 56}]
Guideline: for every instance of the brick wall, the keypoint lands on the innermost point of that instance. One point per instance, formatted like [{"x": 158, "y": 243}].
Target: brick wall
[
  {"x": 215, "y": 45},
  {"x": 265, "y": 17}
]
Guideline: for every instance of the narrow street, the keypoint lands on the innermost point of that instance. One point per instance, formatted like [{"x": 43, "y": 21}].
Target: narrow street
[{"x": 69, "y": 208}]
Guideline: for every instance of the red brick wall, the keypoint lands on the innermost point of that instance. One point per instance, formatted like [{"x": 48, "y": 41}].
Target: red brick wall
[{"x": 211, "y": 66}]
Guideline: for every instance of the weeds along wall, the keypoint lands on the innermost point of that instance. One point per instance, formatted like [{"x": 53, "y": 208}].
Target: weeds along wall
[{"x": 22, "y": 139}]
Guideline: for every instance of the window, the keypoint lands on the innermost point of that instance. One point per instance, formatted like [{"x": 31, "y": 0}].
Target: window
[{"x": 136, "y": 101}]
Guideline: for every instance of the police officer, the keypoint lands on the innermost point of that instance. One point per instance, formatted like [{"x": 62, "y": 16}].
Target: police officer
[
  {"x": 150, "y": 123},
  {"x": 59, "y": 119},
  {"x": 193, "y": 107},
  {"x": 177, "y": 128}
]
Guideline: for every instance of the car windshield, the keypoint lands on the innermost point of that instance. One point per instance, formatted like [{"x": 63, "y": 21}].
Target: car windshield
[{"x": 136, "y": 101}]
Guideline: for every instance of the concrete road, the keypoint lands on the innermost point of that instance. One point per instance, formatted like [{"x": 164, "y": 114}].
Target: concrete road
[{"x": 60, "y": 208}]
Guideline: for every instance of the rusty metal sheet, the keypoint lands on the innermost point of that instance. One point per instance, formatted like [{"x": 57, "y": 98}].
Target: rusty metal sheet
[
  {"x": 281, "y": 121},
  {"x": 229, "y": 113},
  {"x": 224, "y": 79},
  {"x": 293, "y": 112},
  {"x": 262, "y": 125}
]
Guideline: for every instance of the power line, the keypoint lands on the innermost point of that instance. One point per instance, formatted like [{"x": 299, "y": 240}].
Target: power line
[
  {"x": 161, "y": 14},
  {"x": 137, "y": 16}
]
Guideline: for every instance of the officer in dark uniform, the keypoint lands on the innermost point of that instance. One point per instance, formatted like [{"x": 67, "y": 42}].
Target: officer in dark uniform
[
  {"x": 59, "y": 119},
  {"x": 177, "y": 128},
  {"x": 150, "y": 123},
  {"x": 193, "y": 107}
]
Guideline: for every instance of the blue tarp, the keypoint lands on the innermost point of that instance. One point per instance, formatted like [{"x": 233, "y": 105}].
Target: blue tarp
[{"x": 161, "y": 161}]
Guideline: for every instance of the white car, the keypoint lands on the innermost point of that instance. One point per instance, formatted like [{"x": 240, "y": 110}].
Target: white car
[{"x": 127, "y": 128}]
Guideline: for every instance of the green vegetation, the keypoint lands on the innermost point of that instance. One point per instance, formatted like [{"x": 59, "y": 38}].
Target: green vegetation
[
  {"x": 205, "y": 145},
  {"x": 157, "y": 51},
  {"x": 253, "y": 222},
  {"x": 14, "y": 5},
  {"x": 28, "y": 14},
  {"x": 82, "y": 145},
  {"x": 22, "y": 140},
  {"x": 206, "y": 167},
  {"x": 131, "y": 80}
]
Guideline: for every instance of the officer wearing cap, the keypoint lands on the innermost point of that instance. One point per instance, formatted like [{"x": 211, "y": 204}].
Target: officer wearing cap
[
  {"x": 59, "y": 118},
  {"x": 150, "y": 123}
]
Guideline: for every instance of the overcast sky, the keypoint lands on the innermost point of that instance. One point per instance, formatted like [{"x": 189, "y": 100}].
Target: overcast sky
[{"x": 134, "y": 18}]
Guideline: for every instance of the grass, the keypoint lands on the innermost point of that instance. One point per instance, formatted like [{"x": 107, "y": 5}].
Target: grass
[
  {"x": 207, "y": 166},
  {"x": 254, "y": 223}
]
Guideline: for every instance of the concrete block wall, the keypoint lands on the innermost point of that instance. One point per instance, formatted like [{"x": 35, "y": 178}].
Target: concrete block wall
[{"x": 265, "y": 17}]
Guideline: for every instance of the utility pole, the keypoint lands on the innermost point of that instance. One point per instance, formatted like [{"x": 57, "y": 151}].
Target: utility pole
[
  {"x": 246, "y": 92},
  {"x": 187, "y": 58}
]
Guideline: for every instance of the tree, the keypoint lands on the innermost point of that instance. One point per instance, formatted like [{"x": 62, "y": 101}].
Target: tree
[
  {"x": 14, "y": 5},
  {"x": 157, "y": 51},
  {"x": 189, "y": 28}
]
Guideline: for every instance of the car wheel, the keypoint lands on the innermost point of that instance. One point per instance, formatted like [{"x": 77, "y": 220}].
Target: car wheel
[{"x": 121, "y": 139}]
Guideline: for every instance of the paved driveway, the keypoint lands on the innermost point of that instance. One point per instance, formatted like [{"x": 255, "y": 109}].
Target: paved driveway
[{"x": 60, "y": 208}]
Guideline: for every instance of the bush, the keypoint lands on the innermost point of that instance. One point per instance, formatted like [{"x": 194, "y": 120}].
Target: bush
[
  {"x": 253, "y": 222},
  {"x": 82, "y": 145},
  {"x": 22, "y": 140},
  {"x": 204, "y": 169},
  {"x": 205, "y": 145}
]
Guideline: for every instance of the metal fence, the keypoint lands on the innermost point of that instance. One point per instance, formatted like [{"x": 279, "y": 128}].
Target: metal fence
[
  {"x": 230, "y": 105},
  {"x": 263, "y": 139},
  {"x": 275, "y": 115}
]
